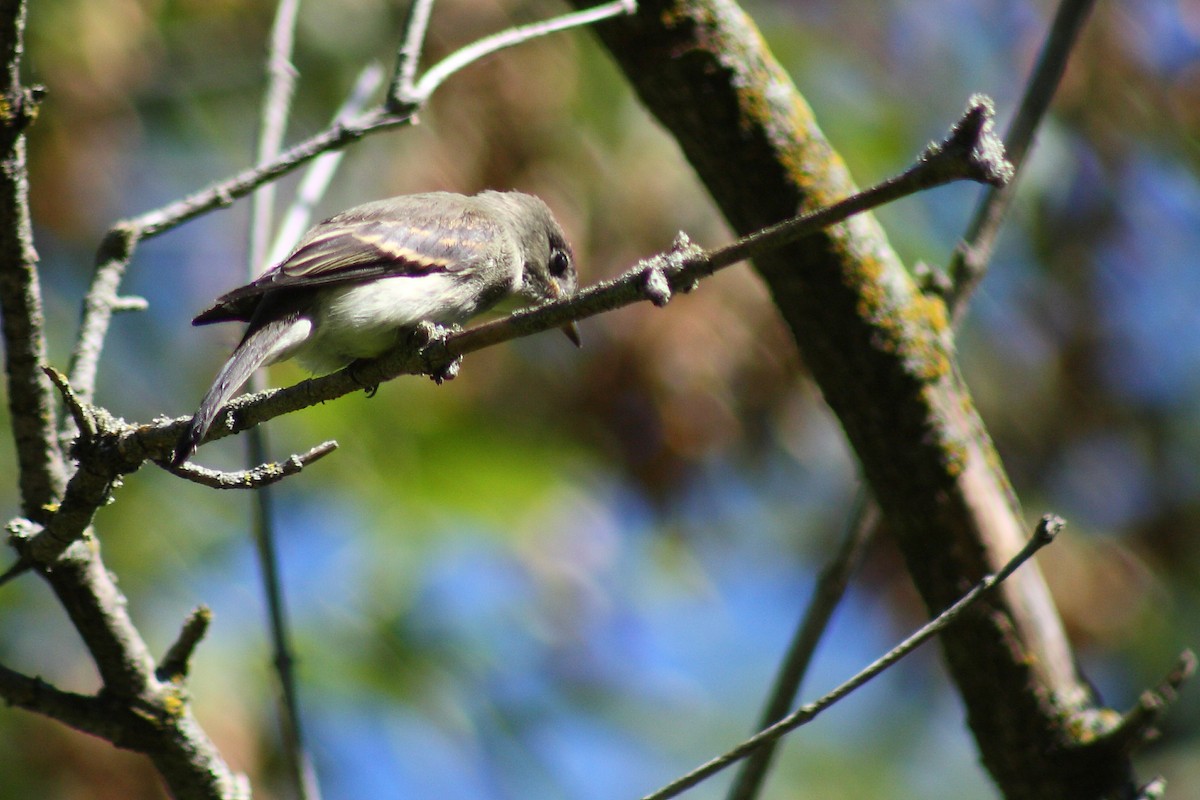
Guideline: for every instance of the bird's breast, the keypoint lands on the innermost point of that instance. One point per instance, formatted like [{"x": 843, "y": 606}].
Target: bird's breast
[{"x": 361, "y": 320}]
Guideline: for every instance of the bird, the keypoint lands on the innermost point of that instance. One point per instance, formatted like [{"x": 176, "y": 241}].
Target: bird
[{"x": 357, "y": 279}]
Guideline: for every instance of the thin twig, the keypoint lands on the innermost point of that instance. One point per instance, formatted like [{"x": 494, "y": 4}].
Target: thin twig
[
  {"x": 277, "y": 101},
  {"x": 259, "y": 477},
  {"x": 438, "y": 73},
  {"x": 402, "y": 92},
  {"x": 1140, "y": 722},
  {"x": 177, "y": 661},
  {"x": 971, "y": 151},
  {"x": 320, "y": 172},
  {"x": 1047, "y": 529},
  {"x": 83, "y": 712},
  {"x": 827, "y": 594},
  {"x": 970, "y": 261}
]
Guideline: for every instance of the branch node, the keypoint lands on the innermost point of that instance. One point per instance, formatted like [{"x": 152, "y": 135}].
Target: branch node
[
  {"x": 683, "y": 253},
  {"x": 932, "y": 280},
  {"x": 1049, "y": 527},
  {"x": 1139, "y": 724},
  {"x": 973, "y": 150},
  {"x": 429, "y": 339},
  {"x": 21, "y": 106},
  {"x": 22, "y": 529},
  {"x": 655, "y": 285}
]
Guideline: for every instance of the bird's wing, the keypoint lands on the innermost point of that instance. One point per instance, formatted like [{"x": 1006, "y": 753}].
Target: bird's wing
[{"x": 406, "y": 236}]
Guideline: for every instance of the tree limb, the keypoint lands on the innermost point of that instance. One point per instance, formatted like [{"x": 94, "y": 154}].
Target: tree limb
[
  {"x": 31, "y": 400},
  {"x": 882, "y": 354}
]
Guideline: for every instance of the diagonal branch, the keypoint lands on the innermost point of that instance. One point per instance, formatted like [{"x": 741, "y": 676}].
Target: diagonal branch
[
  {"x": 1046, "y": 531},
  {"x": 967, "y": 268},
  {"x": 882, "y": 353},
  {"x": 970, "y": 261},
  {"x": 116, "y": 448}
]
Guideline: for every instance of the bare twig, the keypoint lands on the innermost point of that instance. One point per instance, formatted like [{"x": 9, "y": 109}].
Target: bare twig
[
  {"x": 82, "y": 712},
  {"x": 31, "y": 400},
  {"x": 402, "y": 92},
  {"x": 438, "y": 73},
  {"x": 970, "y": 261},
  {"x": 281, "y": 86},
  {"x": 137, "y": 710},
  {"x": 827, "y": 594},
  {"x": 175, "y": 664},
  {"x": 265, "y": 474},
  {"x": 970, "y": 152},
  {"x": 281, "y": 81},
  {"x": 321, "y": 171},
  {"x": 1047, "y": 529},
  {"x": 1140, "y": 722}
]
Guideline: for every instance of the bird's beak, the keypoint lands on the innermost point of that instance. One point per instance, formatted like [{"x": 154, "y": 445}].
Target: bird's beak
[
  {"x": 572, "y": 332},
  {"x": 570, "y": 329}
]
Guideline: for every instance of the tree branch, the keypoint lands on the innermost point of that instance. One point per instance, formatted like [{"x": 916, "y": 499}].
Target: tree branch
[
  {"x": 827, "y": 595},
  {"x": 966, "y": 270},
  {"x": 1045, "y": 533},
  {"x": 261, "y": 476},
  {"x": 31, "y": 401},
  {"x": 276, "y": 107},
  {"x": 882, "y": 354},
  {"x": 971, "y": 257}
]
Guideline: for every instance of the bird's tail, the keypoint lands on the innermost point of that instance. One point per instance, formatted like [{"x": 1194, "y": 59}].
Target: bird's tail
[{"x": 262, "y": 345}]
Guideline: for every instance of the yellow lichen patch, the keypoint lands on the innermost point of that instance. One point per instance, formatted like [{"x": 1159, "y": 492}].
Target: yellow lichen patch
[
  {"x": 1092, "y": 724},
  {"x": 954, "y": 458},
  {"x": 173, "y": 704},
  {"x": 927, "y": 322}
]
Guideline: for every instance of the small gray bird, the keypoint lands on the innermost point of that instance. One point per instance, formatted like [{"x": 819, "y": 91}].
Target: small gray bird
[{"x": 359, "y": 277}]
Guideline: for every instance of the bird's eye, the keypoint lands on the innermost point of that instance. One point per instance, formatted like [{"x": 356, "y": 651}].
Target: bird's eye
[{"x": 560, "y": 262}]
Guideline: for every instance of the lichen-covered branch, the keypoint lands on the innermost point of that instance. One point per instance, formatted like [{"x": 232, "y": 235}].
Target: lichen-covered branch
[{"x": 882, "y": 353}]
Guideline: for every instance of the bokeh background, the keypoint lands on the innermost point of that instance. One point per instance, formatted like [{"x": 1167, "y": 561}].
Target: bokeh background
[{"x": 571, "y": 574}]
